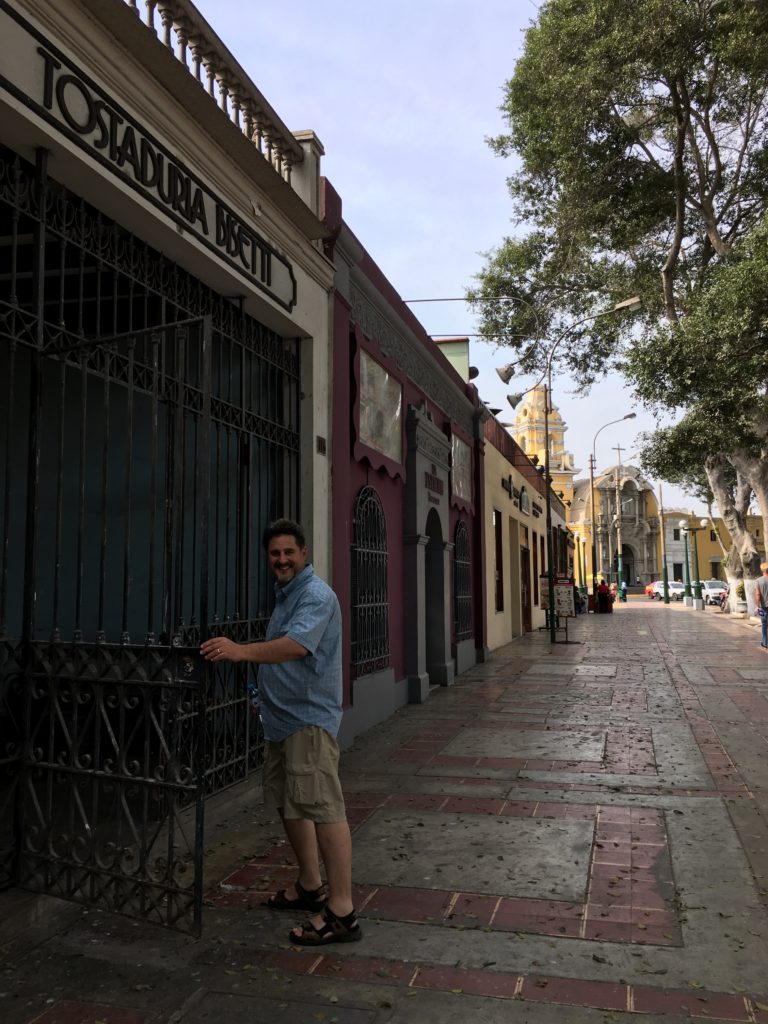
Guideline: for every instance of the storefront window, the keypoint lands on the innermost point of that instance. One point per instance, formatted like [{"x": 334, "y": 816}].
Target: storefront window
[{"x": 370, "y": 602}]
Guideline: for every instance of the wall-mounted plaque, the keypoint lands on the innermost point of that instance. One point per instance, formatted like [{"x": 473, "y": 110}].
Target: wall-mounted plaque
[
  {"x": 461, "y": 469},
  {"x": 381, "y": 409}
]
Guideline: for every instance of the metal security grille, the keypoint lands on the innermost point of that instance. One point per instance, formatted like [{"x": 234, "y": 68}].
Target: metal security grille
[
  {"x": 370, "y": 604},
  {"x": 462, "y": 584},
  {"x": 148, "y": 428}
]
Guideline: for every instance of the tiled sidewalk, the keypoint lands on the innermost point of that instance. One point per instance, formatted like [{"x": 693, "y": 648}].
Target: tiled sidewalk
[{"x": 583, "y": 825}]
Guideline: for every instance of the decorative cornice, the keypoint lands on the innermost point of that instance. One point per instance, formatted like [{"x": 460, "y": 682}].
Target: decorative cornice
[
  {"x": 410, "y": 359},
  {"x": 424, "y": 437}
]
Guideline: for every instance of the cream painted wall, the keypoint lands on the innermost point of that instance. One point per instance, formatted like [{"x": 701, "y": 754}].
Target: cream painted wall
[{"x": 505, "y": 625}]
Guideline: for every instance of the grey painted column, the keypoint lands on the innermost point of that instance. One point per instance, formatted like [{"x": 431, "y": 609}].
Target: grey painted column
[
  {"x": 427, "y": 491},
  {"x": 415, "y": 618},
  {"x": 443, "y": 673}
]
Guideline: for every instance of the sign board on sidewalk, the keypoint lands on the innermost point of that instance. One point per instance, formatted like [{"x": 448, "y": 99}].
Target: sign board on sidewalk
[{"x": 565, "y": 604}]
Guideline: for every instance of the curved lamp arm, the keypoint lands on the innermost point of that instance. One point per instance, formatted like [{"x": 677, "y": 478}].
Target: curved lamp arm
[
  {"x": 629, "y": 416},
  {"x": 628, "y": 305}
]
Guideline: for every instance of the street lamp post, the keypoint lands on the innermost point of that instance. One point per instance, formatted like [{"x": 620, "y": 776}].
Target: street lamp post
[
  {"x": 628, "y": 304},
  {"x": 585, "y": 589},
  {"x": 619, "y": 548},
  {"x": 593, "y": 523},
  {"x": 683, "y": 524},
  {"x": 665, "y": 575},
  {"x": 698, "y": 603},
  {"x": 548, "y": 502},
  {"x": 592, "y": 461}
]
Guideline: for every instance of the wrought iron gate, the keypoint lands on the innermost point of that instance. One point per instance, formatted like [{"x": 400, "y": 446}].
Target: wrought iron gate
[{"x": 147, "y": 428}]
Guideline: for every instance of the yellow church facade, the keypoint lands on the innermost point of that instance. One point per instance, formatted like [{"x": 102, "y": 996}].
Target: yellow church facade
[{"x": 619, "y": 509}]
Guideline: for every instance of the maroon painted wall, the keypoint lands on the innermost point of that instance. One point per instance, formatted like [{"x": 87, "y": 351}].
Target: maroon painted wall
[{"x": 349, "y": 475}]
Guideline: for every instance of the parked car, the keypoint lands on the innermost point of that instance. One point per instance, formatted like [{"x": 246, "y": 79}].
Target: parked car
[
  {"x": 676, "y": 590},
  {"x": 712, "y": 591}
]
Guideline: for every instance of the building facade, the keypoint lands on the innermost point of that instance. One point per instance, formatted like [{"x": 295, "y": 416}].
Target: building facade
[
  {"x": 407, "y": 455},
  {"x": 625, "y": 511},
  {"x": 627, "y": 514},
  {"x": 165, "y": 357},
  {"x": 515, "y": 529}
]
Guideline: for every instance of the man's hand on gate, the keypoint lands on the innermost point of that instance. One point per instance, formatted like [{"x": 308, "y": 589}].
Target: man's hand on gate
[{"x": 221, "y": 648}]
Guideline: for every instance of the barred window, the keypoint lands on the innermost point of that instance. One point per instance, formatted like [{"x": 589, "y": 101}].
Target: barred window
[
  {"x": 462, "y": 584},
  {"x": 370, "y": 603}
]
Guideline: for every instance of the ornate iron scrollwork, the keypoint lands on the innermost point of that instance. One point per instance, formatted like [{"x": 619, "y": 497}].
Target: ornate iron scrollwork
[{"x": 164, "y": 428}]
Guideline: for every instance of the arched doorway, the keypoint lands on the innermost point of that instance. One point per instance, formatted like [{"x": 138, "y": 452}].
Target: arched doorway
[
  {"x": 434, "y": 599},
  {"x": 627, "y": 565},
  {"x": 428, "y": 556}
]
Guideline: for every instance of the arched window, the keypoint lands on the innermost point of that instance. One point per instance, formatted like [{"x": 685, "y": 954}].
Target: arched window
[
  {"x": 462, "y": 584},
  {"x": 370, "y": 604}
]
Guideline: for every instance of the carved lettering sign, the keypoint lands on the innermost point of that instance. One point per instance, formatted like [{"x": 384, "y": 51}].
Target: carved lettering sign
[
  {"x": 52, "y": 86},
  {"x": 433, "y": 483}
]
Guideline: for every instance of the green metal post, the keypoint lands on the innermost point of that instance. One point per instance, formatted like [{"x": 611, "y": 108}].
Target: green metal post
[
  {"x": 687, "y": 574},
  {"x": 697, "y": 581}
]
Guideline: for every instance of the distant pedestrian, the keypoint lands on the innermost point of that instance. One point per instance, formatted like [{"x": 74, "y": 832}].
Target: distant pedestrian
[
  {"x": 761, "y": 600},
  {"x": 577, "y": 599},
  {"x": 603, "y": 598},
  {"x": 623, "y": 594}
]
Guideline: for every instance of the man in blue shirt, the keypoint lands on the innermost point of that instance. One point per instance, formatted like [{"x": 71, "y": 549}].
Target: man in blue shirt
[{"x": 300, "y": 690}]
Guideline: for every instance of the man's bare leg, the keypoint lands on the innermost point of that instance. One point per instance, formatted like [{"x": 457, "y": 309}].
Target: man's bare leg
[
  {"x": 303, "y": 839},
  {"x": 335, "y": 844}
]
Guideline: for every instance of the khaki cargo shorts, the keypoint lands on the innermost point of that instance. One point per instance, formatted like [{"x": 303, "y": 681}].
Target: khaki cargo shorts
[{"x": 301, "y": 776}]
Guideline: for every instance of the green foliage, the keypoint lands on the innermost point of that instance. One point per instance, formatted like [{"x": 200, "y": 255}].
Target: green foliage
[
  {"x": 677, "y": 454},
  {"x": 596, "y": 102},
  {"x": 641, "y": 130},
  {"x": 715, "y": 360},
  {"x": 552, "y": 289},
  {"x": 641, "y": 127}
]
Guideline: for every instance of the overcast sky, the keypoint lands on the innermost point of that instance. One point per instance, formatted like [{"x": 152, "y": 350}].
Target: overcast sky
[{"x": 403, "y": 95}]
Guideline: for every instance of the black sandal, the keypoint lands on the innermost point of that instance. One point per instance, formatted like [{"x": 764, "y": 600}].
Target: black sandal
[
  {"x": 334, "y": 929},
  {"x": 313, "y": 900}
]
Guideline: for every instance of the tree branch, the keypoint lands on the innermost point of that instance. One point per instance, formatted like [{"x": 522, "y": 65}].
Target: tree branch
[{"x": 668, "y": 270}]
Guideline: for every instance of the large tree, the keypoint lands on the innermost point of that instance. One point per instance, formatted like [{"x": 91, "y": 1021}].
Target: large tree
[
  {"x": 714, "y": 363},
  {"x": 641, "y": 129},
  {"x": 684, "y": 454}
]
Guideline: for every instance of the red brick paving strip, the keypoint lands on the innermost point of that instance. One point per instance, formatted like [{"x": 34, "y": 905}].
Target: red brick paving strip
[
  {"x": 724, "y": 772},
  {"x": 66, "y": 1012},
  {"x": 604, "y": 995},
  {"x": 751, "y": 703}
]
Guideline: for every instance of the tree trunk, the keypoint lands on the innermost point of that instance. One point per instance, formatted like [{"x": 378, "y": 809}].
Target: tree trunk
[
  {"x": 742, "y": 561},
  {"x": 755, "y": 472}
]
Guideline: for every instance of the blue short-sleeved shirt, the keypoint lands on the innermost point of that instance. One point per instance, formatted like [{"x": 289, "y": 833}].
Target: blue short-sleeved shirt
[{"x": 307, "y": 691}]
